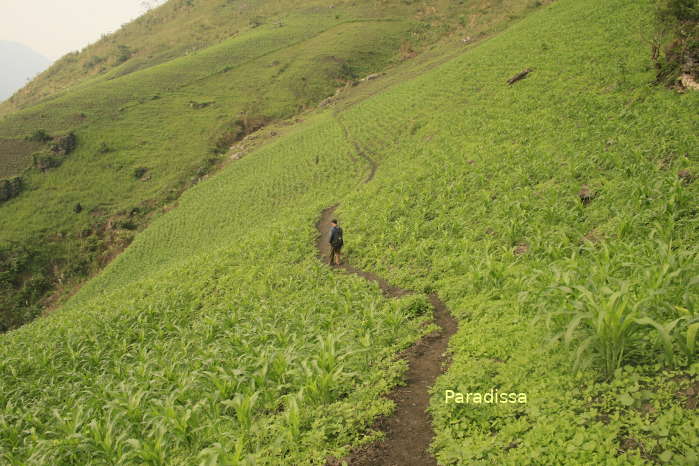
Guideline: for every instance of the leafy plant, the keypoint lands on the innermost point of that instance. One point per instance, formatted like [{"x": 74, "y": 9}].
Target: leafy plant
[{"x": 610, "y": 326}]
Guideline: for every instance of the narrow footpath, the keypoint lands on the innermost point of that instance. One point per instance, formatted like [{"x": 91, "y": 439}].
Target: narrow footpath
[{"x": 408, "y": 431}]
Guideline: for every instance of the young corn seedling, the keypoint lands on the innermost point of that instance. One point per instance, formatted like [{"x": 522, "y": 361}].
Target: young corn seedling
[
  {"x": 609, "y": 326},
  {"x": 243, "y": 406},
  {"x": 106, "y": 440},
  {"x": 153, "y": 449},
  {"x": 292, "y": 418}
]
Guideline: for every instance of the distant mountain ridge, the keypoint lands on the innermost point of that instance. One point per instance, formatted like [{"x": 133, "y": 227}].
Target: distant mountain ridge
[{"x": 18, "y": 63}]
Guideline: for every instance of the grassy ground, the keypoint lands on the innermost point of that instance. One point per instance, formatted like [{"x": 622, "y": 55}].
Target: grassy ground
[
  {"x": 218, "y": 335},
  {"x": 177, "y": 29}
]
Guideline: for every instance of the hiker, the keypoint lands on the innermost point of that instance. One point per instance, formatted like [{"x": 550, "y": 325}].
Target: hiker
[{"x": 336, "y": 242}]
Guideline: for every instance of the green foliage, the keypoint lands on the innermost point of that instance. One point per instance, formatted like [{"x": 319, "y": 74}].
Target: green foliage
[
  {"x": 460, "y": 189},
  {"x": 104, "y": 148},
  {"x": 93, "y": 62},
  {"x": 139, "y": 172},
  {"x": 611, "y": 324},
  {"x": 123, "y": 54},
  {"x": 121, "y": 117},
  {"x": 46, "y": 160},
  {"x": 257, "y": 21},
  {"x": 64, "y": 145},
  {"x": 414, "y": 305},
  {"x": 195, "y": 345},
  {"x": 247, "y": 80},
  {"x": 22, "y": 279},
  {"x": 218, "y": 337},
  {"x": 10, "y": 187},
  {"x": 678, "y": 11},
  {"x": 39, "y": 135}
]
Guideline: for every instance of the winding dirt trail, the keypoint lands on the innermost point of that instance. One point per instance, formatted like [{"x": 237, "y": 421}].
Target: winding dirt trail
[{"x": 408, "y": 431}]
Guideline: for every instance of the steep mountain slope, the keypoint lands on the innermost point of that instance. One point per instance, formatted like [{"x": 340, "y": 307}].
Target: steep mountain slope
[
  {"x": 19, "y": 64},
  {"x": 218, "y": 337},
  {"x": 182, "y": 27},
  {"x": 144, "y": 136}
]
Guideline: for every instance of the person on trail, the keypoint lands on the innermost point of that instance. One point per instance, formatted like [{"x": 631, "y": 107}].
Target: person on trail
[{"x": 336, "y": 242}]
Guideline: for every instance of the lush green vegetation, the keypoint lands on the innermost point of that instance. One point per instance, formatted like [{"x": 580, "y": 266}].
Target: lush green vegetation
[
  {"x": 147, "y": 136},
  {"x": 557, "y": 218},
  {"x": 231, "y": 341},
  {"x": 177, "y": 29},
  {"x": 157, "y": 123},
  {"x": 481, "y": 202},
  {"x": 184, "y": 27}
]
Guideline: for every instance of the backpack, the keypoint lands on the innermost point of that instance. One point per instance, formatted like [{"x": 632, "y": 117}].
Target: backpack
[{"x": 338, "y": 237}]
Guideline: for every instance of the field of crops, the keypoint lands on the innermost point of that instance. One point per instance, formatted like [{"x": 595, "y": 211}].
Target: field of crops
[
  {"x": 586, "y": 305},
  {"x": 549, "y": 216},
  {"x": 231, "y": 341}
]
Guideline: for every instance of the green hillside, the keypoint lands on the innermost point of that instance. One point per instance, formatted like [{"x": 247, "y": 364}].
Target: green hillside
[
  {"x": 557, "y": 217},
  {"x": 181, "y": 28},
  {"x": 146, "y": 135}
]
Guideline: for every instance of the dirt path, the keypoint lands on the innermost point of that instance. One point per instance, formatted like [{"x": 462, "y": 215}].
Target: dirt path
[
  {"x": 409, "y": 429},
  {"x": 372, "y": 163}
]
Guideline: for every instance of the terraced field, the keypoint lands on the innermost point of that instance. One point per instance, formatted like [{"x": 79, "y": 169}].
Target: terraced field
[{"x": 14, "y": 156}]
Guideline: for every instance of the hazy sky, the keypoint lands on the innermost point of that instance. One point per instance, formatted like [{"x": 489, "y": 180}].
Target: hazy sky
[{"x": 56, "y": 27}]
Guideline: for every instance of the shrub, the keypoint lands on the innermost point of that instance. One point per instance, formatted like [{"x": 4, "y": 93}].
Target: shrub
[
  {"x": 257, "y": 21},
  {"x": 10, "y": 188},
  {"x": 64, "y": 145},
  {"x": 39, "y": 135},
  {"x": 93, "y": 61},
  {"x": 45, "y": 161},
  {"x": 123, "y": 54},
  {"x": 139, "y": 172},
  {"x": 104, "y": 148}
]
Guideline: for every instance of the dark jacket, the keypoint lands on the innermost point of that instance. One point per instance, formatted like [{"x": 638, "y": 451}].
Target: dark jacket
[{"x": 336, "y": 237}]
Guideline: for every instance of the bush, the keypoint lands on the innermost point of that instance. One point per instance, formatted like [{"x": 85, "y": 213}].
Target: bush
[
  {"x": 19, "y": 295},
  {"x": 93, "y": 61},
  {"x": 139, "y": 172},
  {"x": 64, "y": 145},
  {"x": 678, "y": 11},
  {"x": 257, "y": 21},
  {"x": 104, "y": 148},
  {"x": 123, "y": 54},
  {"x": 43, "y": 161},
  {"x": 10, "y": 188},
  {"x": 227, "y": 139},
  {"x": 39, "y": 135}
]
